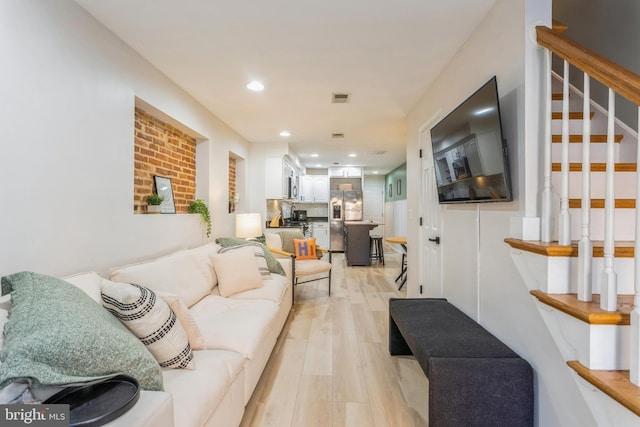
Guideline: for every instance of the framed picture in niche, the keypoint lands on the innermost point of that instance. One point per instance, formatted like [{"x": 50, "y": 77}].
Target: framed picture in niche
[
  {"x": 399, "y": 187},
  {"x": 390, "y": 190},
  {"x": 164, "y": 189}
]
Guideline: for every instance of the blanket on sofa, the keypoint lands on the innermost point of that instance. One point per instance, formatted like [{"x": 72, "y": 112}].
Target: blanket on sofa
[{"x": 57, "y": 335}]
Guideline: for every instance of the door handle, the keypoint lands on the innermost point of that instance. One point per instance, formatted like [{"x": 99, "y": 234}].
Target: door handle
[{"x": 436, "y": 240}]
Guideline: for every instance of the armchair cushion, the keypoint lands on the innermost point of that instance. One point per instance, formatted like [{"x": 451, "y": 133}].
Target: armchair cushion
[
  {"x": 287, "y": 237},
  {"x": 312, "y": 266}
]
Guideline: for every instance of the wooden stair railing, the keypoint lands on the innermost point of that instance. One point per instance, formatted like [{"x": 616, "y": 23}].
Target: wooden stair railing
[
  {"x": 624, "y": 386},
  {"x": 626, "y": 83},
  {"x": 620, "y": 79}
]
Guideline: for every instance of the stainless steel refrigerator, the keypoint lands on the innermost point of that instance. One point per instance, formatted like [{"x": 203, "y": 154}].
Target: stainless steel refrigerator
[{"x": 344, "y": 206}]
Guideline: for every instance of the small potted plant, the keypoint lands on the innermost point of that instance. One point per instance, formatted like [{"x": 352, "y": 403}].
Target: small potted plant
[
  {"x": 198, "y": 206},
  {"x": 153, "y": 203}
]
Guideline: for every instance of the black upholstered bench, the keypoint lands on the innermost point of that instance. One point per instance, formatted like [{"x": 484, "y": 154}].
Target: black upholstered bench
[{"x": 474, "y": 378}]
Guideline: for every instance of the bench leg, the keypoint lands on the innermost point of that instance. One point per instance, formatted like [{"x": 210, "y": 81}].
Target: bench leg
[{"x": 397, "y": 345}]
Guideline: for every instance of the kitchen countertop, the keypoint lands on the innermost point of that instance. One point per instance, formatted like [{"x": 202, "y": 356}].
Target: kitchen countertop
[{"x": 369, "y": 223}]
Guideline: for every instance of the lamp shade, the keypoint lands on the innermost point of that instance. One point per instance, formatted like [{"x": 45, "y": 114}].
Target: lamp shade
[{"x": 248, "y": 225}]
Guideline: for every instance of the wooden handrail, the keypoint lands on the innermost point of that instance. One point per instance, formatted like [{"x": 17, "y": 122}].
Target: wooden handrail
[{"x": 620, "y": 79}]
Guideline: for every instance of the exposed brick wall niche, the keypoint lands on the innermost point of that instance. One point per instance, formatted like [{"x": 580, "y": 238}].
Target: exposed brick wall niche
[
  {"x": 232, "y": 184},
  {"x": 161, "y": 149}
]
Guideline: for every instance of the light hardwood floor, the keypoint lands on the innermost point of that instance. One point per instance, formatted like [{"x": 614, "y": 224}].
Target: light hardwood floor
[{"x": 331, "y": 365}]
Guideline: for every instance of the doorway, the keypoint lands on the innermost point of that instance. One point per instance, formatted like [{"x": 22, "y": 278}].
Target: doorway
[{"x": 430, "y": 252}]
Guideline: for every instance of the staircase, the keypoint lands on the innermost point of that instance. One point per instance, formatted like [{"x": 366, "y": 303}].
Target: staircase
[{"x": 589, "y": 314}]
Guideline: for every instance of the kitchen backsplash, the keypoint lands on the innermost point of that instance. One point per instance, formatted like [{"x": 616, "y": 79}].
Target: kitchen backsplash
[{"x": 275, "y": 206}]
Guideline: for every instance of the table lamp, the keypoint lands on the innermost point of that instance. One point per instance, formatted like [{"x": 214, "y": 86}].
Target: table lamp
[{"x": 248, "y": 226}]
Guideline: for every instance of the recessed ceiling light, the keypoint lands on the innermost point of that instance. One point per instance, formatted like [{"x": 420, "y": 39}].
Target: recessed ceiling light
[
  {"x": 285, "y": 133},
  {"x": 353, "y": 155},
  {"x": 318, "y": 165},
  {"x": 315, "y": 155},
  {"x": 375, "y": 172},
  {"x": 255, "y": 86}
]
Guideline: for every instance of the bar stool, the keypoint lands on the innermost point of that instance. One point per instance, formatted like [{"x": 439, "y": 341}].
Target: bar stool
[{"x": 375, "y": 249}]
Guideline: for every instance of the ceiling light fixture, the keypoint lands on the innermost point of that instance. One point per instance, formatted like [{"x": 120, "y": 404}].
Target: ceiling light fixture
[
  {"x": 255, "y": 86},
  {"x": 353, "y": 155},
  {"x": 318, "y": 165},
  {"x": 285, "y": 133},
  {"x": 315, "y": 155}
]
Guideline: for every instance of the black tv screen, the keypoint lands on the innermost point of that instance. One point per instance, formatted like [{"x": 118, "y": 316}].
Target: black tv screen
[{"x": 469, "y": 152}]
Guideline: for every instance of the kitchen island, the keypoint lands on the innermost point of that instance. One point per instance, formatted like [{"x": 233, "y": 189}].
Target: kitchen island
[{"x": 356, "y": 237}]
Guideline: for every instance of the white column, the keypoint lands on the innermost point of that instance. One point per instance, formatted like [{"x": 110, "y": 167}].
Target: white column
[
  {"x": 564, "y": 219},
  {"x": 585, "y": 247},
  {"x": 546, "y": 222},
  {"x": 609, "y": 293},
  {"x": 634, "y": 359}
]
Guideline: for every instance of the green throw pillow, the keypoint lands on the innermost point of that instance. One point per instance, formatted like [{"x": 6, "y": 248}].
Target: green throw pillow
[
  {"x": 272, "y": 263},
  {"x": 57, "y": 335}
]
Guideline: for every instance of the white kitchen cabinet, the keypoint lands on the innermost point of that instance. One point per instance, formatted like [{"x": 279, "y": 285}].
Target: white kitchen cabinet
[
  {"x": 353, "y": 172},
  {"x": 307, "y": 188},
  {"x": 321, "y": 233},
  {"x": 281, "y": 179},
  {"x": 315, "y": 189},
  {"x": 321, "y": 189},
  {"x": 345, "y": 172}
]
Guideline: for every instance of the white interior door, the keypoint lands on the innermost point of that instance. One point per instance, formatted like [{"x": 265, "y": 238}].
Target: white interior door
[{"x": 430, "y": 250}]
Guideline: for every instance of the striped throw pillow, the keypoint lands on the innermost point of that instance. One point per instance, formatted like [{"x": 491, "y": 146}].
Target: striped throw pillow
[
  {"x": 150, "y": 319},
  {"x": 260, "y": 258}
]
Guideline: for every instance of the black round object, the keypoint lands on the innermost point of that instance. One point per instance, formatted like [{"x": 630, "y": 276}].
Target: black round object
[{"x": 100, "y": 402}]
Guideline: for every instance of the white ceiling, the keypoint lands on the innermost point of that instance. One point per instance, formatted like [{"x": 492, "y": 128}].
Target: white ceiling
[{"x": 384, "y": 53}]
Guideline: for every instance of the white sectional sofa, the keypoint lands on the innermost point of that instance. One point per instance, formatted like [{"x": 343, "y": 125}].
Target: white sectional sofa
[{"x": 237, "y": 333}]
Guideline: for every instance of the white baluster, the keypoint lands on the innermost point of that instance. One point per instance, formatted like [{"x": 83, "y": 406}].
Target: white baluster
[
  {"x": 585, "y": 247},
  {"x": 546, "y": 230},
  {"x": 564, "y": 219},
  {"x": 609, "y": 293},
  {"x": 634, "y": 370}
]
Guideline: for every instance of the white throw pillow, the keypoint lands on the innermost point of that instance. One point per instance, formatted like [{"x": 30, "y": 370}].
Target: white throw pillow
[
  {"x": 150, "y": 319},
  {"x": 258, "y": 253},
  {"x": 88, "y": 282},
  {"x": 196, "y": 340},
  {"x": 237, "y": 271}
]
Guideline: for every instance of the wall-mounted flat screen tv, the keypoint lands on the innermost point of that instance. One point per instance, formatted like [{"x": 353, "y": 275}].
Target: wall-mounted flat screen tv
[{"x": 469, "y": 152}]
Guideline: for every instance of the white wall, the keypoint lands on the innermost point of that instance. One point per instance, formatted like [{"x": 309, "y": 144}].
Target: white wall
[
  {"x": 373, "y": 202},
  {"x": 478, "y": 274},
  {"x": 68, "y": 87}
]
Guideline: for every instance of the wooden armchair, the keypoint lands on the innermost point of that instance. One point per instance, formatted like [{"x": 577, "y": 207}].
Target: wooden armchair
[{"x": 302, "y": 270}]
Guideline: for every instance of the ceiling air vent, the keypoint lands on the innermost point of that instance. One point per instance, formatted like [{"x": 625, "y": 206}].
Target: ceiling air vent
[
  {"x": 377, "y": 153},
  {"x": 337, "y": 135},
  {"x": 340, "y": 98}
]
